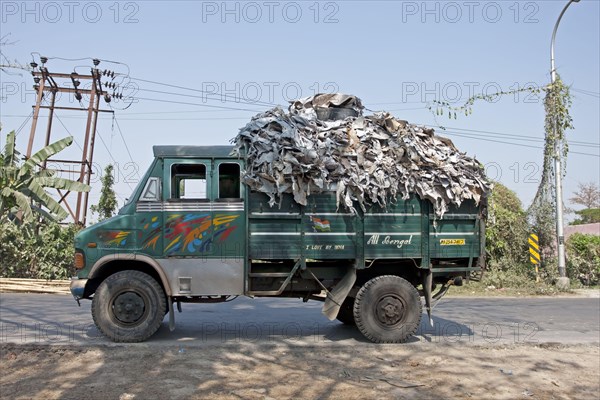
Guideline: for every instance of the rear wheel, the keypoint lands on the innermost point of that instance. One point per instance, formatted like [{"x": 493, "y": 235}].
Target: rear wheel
[
  {"x": 129, "y": 306},
  {"x": 346, "y": 313},
  {"x": 387, "y": 309}
]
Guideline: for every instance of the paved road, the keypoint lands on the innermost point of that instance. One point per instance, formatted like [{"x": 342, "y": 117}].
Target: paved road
[{"x": 56, "y": 319}]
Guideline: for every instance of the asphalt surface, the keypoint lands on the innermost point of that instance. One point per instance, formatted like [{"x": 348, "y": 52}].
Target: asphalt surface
[{"x": 56, "y": 319}]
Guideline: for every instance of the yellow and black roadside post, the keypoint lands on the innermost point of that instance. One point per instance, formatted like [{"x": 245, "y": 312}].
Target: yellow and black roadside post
[{"x": 534, "y": 254}]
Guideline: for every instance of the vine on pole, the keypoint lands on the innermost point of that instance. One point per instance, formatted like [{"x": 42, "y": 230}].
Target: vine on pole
[{"x": 557, "y": 103}]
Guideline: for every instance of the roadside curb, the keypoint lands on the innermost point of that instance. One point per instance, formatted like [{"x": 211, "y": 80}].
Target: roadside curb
[
  {"x": 572, "y": 294},
  {"x": 22, "y": 285}
]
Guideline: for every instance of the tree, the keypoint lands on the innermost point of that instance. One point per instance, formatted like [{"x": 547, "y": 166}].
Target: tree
[
  {"x": 587, "y": 195},
  {"x": 108, "y": 200},
  {"x": 23, "y": 186},
  {"x": 587, "y": 216}
]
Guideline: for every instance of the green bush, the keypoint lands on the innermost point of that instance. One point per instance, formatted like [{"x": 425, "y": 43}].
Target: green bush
[
  {"x": 501, "y": 278},
  {"x": 506, "y": 231},
  {"x": 43, "y": 251},
  {"x": 583, "y": 258}
]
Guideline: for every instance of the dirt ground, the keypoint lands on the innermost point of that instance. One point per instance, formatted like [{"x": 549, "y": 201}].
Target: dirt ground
[{"x": 278, "y": 371}]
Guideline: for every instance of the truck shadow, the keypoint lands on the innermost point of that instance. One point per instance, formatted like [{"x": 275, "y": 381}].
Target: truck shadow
[{"x": 313, "y": 329}]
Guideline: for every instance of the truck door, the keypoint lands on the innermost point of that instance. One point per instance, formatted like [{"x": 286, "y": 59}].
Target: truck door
[
  {"x": 204, "y": 227},
  {"x": 187, "y": 212}
]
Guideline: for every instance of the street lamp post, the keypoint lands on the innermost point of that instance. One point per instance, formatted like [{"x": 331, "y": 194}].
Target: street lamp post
[{"x": 562, "y": 271}]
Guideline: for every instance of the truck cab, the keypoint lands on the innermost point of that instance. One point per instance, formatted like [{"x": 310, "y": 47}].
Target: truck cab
[{"x": 192, "y": 231}]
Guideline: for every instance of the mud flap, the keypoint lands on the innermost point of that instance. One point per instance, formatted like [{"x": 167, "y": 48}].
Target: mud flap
[
  {"x": 427, "y": 289},
  {"x": 171, "y": 316},
  {"x": 336, "y": 297}
]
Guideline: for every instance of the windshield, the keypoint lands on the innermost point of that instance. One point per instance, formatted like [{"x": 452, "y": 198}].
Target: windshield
[{"x": 136, "y": 191}]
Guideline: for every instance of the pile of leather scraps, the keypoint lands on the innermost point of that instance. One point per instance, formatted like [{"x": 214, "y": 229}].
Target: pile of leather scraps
[{"x": 324, "y": 143}]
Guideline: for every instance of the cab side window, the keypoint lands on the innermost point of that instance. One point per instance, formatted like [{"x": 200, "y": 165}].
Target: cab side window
[
  {"x": 229, "y": 181},
  {"x": 188, "y": 181}
]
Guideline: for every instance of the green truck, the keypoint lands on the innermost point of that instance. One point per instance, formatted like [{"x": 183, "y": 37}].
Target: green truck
[{"x": 193, "y": 232}]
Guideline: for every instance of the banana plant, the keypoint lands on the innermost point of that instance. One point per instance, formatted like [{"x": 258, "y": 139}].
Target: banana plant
[{"x": 23, "y": 186}]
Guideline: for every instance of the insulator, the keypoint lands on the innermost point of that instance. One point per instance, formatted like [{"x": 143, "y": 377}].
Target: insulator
[
  {"x": 44, "y": 60},
  {"x": 112, "y": 74},
  {"x": 78, "y": 96},
  {"x": 96, "y": 62},
  {"x": 33, "y": 64},
  {"x": 36, "y": 79},
  {"x": 76, "y": 83},
  {"x": 107, "y": 98}
]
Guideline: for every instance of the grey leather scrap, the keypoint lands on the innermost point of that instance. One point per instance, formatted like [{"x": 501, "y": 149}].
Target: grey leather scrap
[{"x": 325, "y": 143}]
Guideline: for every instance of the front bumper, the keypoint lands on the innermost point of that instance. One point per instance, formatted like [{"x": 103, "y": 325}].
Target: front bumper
[{"x": 77, "y": 287}]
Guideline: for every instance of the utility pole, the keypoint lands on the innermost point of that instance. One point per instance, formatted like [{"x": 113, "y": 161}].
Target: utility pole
[
  {"x": 69, "y": 83},
  {"x": 563, "y": 281}
]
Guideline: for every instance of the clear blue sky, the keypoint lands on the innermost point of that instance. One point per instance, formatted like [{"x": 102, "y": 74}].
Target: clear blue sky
[{"x": 397, "y": 56}]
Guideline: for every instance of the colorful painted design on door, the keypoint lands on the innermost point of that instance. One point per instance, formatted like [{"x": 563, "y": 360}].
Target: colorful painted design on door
[
  {"x": 114, "y": 238},
  {"x": 188, "y": 233}
]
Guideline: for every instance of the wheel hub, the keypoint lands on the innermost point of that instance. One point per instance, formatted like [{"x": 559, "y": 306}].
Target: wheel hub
[
  {"x": 128, "y": 307},
  {"x": 389, "y": 310}
]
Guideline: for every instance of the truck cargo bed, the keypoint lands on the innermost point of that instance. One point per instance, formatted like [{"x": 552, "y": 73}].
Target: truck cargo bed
[{"x": 407, "y": 229}]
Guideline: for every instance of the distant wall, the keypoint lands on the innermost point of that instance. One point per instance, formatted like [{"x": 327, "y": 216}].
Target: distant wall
[{"x": 587, "y": 229}]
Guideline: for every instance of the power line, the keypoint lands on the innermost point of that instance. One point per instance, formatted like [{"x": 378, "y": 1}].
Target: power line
[
  {"x": 111, "y": 156},
  {"x": 456, "y": 130},
  {"x": 125, "y": 143},
  {"x": 587, "y": 93},
  {"x": 512, "y": 138},
  {"x": 246, "y": 101},
  {"x": 107, "y": 118},
  {"x": 23, "y": 124},
  {"x": 468, "y": 136},
  {"x": 66, "y": 129},
  {"x": 198, "y": 97},
  {"x": 186, "y": 119},
  {"x": 516, "y": 137},
  {"x": 199, "y": 105}
]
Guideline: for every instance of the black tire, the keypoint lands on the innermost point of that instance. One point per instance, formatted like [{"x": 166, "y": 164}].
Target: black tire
[
  {"x": 346, "y": 313},
  {"x": 387, "y": 309},
  {"x": 129, "y": 306}
]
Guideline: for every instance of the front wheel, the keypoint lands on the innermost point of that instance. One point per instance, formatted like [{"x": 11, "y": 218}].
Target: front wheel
[
  {"x": 129, "y": 306},
  {"x": 387, "y": 309}
]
